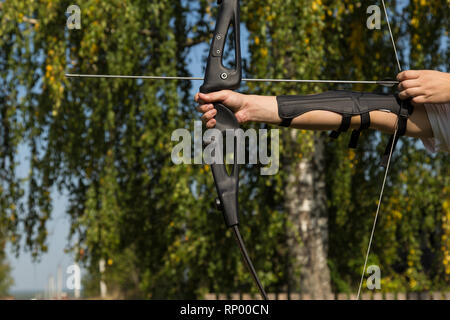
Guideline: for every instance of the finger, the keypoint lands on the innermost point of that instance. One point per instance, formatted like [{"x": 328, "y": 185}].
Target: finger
[
  {"x": 420, "y": 99},
  {"x": 408, "y": 84},
  {"x": 211, "y": 123},
  {"x": 410, "y": 93},
  {"x": 218, "y": 96},
  {"x": 199, "y": 100},
  {"x": 209, "y": 115},
  {"x": 205, "y": 108},
  {"x": 409, "y": 74}
]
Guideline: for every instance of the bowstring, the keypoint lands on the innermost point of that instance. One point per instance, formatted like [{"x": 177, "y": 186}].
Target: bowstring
[
  {"x": 388, "y": 163},
  {"x": 386, "y": 83}
]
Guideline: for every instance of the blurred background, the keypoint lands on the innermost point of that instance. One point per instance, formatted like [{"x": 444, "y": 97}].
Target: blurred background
[{"x": 86, "y": 177}]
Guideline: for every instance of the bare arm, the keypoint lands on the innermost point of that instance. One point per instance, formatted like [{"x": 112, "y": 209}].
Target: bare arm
[{"x": 253, "y": 108}]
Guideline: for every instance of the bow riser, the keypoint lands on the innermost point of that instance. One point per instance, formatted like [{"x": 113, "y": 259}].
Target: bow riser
[{"x": 217, "y": 76}]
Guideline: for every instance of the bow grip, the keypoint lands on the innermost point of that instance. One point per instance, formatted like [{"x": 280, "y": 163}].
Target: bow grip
[{"x": 227, "y": 184}]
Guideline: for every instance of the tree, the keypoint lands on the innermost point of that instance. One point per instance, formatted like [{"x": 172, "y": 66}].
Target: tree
[
  {"x": 6, "y": 281},
  {"x": 108, "y": 145}
]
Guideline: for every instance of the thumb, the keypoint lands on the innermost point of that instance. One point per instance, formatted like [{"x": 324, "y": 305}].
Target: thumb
[{"x": 212, "y": 97}]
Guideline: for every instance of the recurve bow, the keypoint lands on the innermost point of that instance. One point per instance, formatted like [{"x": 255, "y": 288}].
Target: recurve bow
[{"x": 218, "y": 77}]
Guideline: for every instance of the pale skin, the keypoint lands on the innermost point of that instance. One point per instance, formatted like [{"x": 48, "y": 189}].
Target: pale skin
[{"x": 423, "y": 86}]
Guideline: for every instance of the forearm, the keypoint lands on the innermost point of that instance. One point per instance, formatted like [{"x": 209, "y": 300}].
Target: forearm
[{"x": 264, "y": 109}]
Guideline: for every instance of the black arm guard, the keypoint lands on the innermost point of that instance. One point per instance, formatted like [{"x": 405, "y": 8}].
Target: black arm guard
[{"x": 347, "y": 104}]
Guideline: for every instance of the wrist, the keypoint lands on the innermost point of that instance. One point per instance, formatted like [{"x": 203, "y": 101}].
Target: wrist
[
  {"x": 262, "y": 109},
  {"x": 251, "y": 108}
]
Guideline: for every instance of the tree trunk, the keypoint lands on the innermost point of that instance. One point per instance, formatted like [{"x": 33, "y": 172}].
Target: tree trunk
[{"x": 308, "y": 228}]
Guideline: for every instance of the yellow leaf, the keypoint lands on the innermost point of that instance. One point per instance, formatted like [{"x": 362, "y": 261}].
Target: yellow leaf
[{"x": 264, "y": 52}]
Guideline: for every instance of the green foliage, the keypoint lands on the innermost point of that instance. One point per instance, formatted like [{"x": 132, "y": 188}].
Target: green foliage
[{"x": 107, "y": 144}]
